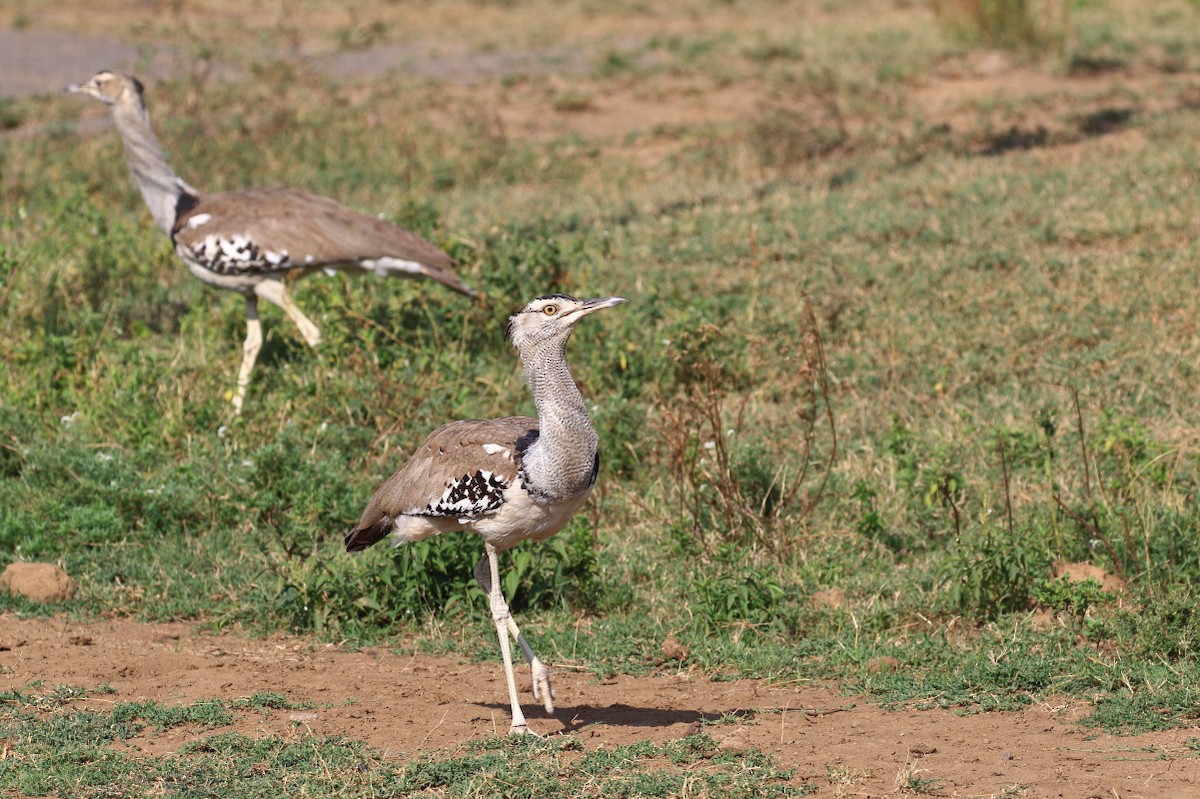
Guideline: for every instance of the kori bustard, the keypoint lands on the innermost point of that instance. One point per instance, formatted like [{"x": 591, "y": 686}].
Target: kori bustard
[
  {"x": 509, "y": 480},
  {"x": 257, "y": 241}
]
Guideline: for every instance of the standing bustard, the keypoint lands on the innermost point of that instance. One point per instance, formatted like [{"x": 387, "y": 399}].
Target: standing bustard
[
  {"x": 257, "y": 241},
  {"x": 507, "y": 479}
]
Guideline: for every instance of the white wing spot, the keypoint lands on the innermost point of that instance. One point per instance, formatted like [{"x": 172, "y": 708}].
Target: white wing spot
[
  {"x": 198, "y": 220},
  {"x": 382, "y": 266},
  {"x": 496, "y": 449}
]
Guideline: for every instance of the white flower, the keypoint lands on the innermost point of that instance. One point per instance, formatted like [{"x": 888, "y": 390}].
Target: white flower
[
  {"x": 69, "y": 420},
  {"x": 221, "y": 431}
]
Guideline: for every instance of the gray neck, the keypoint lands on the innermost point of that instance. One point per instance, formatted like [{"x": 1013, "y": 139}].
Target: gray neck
[
  {"x": 161, "y": 188},
  {"x": 561, "y": 463}
]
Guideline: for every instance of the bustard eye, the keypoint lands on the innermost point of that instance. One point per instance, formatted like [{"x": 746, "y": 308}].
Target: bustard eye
[{"x": 550, "y": 310}]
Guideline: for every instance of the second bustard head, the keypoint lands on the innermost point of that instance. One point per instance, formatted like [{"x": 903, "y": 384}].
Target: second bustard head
[
  {"x": 509, "y": 479},
  {"x": 255, "y": 241}
]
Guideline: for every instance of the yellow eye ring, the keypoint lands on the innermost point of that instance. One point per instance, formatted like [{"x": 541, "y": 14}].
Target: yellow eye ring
[{"x": 550, "y": 310}]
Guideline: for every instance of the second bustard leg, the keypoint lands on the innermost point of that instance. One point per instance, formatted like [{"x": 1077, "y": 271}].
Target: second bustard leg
[
  {"x": 250, "y": 350},
  {"x": 276, "y": 292},
  {"x": 542, "y": 689},
  {"x": 504, "y": 625}
]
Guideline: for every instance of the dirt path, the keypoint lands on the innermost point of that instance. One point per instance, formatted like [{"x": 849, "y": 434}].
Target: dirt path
[{"x": 405, "y": 703}]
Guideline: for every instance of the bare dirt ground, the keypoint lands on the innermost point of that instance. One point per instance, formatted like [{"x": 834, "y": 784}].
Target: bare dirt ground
[{"x": 404, "y": 704}]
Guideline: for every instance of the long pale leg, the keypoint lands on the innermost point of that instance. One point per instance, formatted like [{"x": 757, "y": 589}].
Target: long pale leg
[
  {"x": 276, "y": 292},
  {"x": 502, "y": 618},
  {"x": 542, "y": 689},
  {"x": 250, "y": 350}
]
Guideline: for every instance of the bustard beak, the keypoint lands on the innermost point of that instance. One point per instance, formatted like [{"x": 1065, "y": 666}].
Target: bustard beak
[{"x": 589, "y": 306}]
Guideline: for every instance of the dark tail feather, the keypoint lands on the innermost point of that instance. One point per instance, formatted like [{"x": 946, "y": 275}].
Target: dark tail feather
[{"x": 368, "y": 532}]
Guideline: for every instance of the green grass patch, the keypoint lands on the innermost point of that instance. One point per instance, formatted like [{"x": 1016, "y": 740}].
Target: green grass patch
[{"x": 55, "y": 750}]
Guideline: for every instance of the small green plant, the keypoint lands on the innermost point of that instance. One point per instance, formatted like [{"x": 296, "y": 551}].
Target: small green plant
[
  {"x": 870, "y": 523},
  {"x": 359, "y": 36},
  {"x": 1039, "y": 26},
  {"x": 1127, "y": 454},
  {"x": 1073, "y": 598},
  {"x": 573, "y": 101},
  {"x": 737, "y": 593},
  {"x": 912, "y": 782},
  {"x": 992, "y": 572},
  {"x": 263, "y": 700},
  {"x": 11, "y": 114},
  {"x": 615, "y": 63},
  {"x": 934, "y": 482},
  {"x": 767, "y": 50},
  {"x": 1166, "y": 627}
]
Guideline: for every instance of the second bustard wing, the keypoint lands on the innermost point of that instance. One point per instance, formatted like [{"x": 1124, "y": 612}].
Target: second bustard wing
[{"x": 278, "y": 230}]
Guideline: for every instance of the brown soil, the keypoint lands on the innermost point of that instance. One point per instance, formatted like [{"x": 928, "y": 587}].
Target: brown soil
[
  {"x": 41, "y": 582},
  {"x": 403, "y": 703}
]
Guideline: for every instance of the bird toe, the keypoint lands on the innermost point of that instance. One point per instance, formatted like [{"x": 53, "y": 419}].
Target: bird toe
[{"x": 522, "y": 729}]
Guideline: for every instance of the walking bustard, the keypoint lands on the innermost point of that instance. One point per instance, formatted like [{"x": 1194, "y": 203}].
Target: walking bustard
[
  {"x": 257, "y": 241},
  {"x": 507, "y": 479}
]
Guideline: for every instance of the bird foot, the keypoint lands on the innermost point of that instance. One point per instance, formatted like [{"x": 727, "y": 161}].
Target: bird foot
[
  {"x": 541, "y": 685},
  {"x": 522, "y": 729}
]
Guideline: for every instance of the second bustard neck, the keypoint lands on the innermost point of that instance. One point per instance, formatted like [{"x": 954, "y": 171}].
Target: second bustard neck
[
  {"x": 161, "y": 188},
  {"x": 561, "y": 463}
]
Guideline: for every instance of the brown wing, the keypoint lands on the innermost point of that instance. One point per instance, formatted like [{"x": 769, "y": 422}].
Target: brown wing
[
  {"x": 459, "y": 472},
  {"x": 276, "y": 230}
]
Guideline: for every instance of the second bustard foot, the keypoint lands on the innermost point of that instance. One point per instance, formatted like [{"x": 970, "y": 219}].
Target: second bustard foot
[{"x": 542, "y": 690}]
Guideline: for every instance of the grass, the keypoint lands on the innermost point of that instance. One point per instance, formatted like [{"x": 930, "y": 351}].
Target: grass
[
  {"x": 919, "y": 355},
  {"x": 54, "y": 750}
]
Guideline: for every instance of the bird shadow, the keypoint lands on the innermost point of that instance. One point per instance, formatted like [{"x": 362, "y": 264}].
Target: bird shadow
[{"x": 577, "y": 717}]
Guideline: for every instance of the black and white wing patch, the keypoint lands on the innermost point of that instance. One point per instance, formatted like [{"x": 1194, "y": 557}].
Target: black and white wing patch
[
  {"x": 236, "y": 254},
  {"x": 467, "y": 497}
]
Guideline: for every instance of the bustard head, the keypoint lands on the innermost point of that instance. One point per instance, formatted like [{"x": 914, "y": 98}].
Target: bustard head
[
  {"x": 109, "y": 86},
  {"x": 552, "y": 317}
]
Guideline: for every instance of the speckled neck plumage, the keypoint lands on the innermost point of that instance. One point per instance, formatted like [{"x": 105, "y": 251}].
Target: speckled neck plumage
[
  {"x": 161, "y": 188},
  {"x": 562, "y": 463}
]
